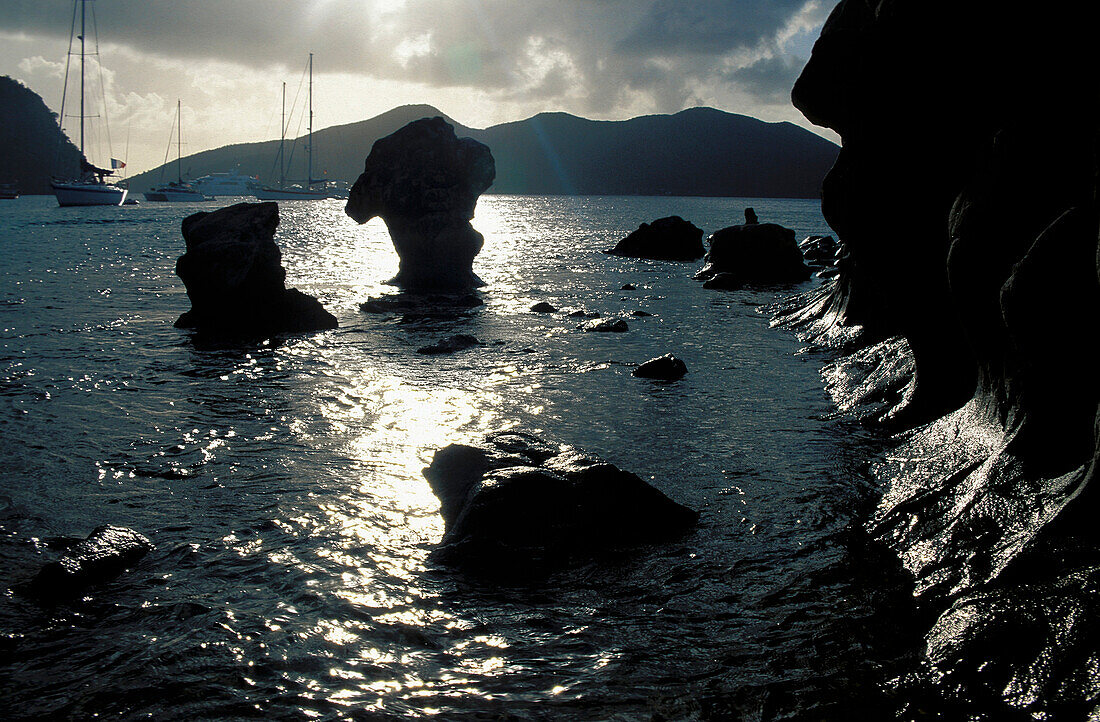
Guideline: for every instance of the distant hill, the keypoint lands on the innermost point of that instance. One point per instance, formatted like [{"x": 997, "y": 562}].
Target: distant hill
[
  {"x": 32, "y": 147},
  {"x": 701, "y": 151}
]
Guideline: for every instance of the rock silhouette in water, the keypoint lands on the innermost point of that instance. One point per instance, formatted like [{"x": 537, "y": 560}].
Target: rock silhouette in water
[
  {"x": 516, "y": 500},
  {"x": 971, "y": 268},
  {"x": 664, "y": 368},
  {"x": 235, "y": 279},
  {"x": 754, "y": 253},
  {"x": 104, "y": 555},
  {"x": 424, "y": 182},
  {"x": 750, "y": 217},
  {"x": 665, "y": 239}
]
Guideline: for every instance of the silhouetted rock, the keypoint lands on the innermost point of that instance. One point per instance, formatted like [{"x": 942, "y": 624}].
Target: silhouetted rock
[
  {"x": 424, "y": 182},
  {"x": 607, "y": 325},
  {"x": 970, "y": 229},
  {"x": 581, "y": 313},
  {"x": 665, "y": 239},
  {"x": 750, "y": 217},
  {"x": 450, "y": 344},
  {"x": 667, "y": 368},
  {"x": 755, "y": 253},
  {"x": 104, "y": 555},
  {"x": 628, "y": 287},
  {"x": 543, "y": 307},
  {"x": 516, "y": 499},
  {"x": 235, "y": 279}
]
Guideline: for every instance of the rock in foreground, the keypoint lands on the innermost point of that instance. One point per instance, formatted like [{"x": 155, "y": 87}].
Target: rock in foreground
[
  {"x": 106, "y": 552},
  {"x": 235, "y": 279},
  {"x": 755, "y": 253},
  {"x": 516, "y": 499},
  {"x": 665, "y": 239},
  {"x": 424, "y": 182}
]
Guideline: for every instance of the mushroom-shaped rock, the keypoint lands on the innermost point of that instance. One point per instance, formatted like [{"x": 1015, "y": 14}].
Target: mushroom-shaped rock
[
  {"x": 518, "y": 498},
  {"x": 664, "y": 368},
  {"x": 106, "y": 552},
  {"x": 235, "y": 279},
  {"x": 755, "y": 253},
  {"x": 665, "y": 239},
  {"x": 424, "y": 182}
]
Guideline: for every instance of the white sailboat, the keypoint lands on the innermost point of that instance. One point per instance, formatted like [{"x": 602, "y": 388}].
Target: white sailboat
[
  {"x": 91, "y": 188},
  {"x": 296, "y": 192},
  {"x": 177, "y": 191}
]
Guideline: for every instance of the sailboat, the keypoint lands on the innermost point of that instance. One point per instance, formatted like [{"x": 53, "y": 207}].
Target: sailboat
[
  {"x": 177, "y": 191},
  {"x": 91, "y": 188},
  {"x": 296, "y": 192}
]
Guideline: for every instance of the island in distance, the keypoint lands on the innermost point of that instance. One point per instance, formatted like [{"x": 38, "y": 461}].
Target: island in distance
[{"x": 696, "y": 152}]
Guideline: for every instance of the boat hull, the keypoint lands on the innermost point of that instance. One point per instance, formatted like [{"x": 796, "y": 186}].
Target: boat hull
[
  {"x": 275, "y": 194},
  {"x": 88, "y": 194},
  {"x": 170, "y": 196}
]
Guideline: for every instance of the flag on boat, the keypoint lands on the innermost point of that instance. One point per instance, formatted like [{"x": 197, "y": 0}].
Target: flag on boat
[{"x": 116, "y": 163}]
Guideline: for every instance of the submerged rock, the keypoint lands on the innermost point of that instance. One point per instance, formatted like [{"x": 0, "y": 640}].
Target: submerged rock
[
  {"x": 450, "y": 344},
  {"x": 755, "y": 253},
  {"x": 665, "y": 239},
  {"x": 424, "y": 182},
  {"x": 105, "y": 554},
  {"x": 666, "y": 368},
  {"x": 516, "y": 500},
  {"x": 235, "y": 279}
]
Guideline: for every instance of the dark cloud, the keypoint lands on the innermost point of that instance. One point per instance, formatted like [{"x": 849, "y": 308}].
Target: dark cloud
[{"x": 593, "y": 53}]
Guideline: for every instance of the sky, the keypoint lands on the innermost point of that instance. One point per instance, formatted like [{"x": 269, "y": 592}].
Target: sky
[{"x": 481, "y": 62}]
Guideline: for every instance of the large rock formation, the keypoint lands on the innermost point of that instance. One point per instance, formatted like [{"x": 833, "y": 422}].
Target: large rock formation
[
  {"x": 516, "y": 501},
  {"x": 965, "y": 196},
  {"x": 424, "y": 182},
  {"x": 235, "y": 279},
  {"x": 665, "y": 239}
]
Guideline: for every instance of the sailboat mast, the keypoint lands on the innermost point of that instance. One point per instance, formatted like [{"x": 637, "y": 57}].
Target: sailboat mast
[
  {"x": 179, "y": 144},
  {"x": 282, "y": 141},
  {"x": 309, "y": 146},
  {"x": 82, "y": 9}
]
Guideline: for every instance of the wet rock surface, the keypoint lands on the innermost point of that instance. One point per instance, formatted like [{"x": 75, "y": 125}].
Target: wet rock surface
[
  {"x": 450, "y": 344},
  {"x": 665, "y": 368},
  {"x": 607, "y": 325},
  {"x": 424, "y": 182},
  {"x": 970, "y": 261},
  {"x": 517, "y": 499},
  {"x": 665, "y": 239},
  {"x": 106, "y": 553},
  {"x": 234, "y": 276},
  {"x": 754, "y": 253}
]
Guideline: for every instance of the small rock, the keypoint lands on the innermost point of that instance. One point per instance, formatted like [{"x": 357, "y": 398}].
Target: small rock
[
  {"x": 667, "y": 368},
  {"x": 543, "y": 307},
  {"x": 609, "y": 325},
  {"x": 665, "y": 239},
  {"x": 628, "y": 287},
  {"x": 640, "y": 313},
  {"x": 104, "y": 555}
]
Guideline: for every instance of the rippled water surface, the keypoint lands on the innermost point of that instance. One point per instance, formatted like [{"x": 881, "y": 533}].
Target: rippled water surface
[{"x": 280, "y": 482}]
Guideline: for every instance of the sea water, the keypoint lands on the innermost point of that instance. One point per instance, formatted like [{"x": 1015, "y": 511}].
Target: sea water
[{"x": 280, "y": 481}]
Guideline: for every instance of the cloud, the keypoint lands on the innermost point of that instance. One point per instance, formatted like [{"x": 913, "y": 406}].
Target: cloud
[{"x": 597, "y": 54}]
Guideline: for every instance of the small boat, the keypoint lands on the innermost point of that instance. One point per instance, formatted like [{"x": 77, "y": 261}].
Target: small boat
[
  {"x": 226, "y": 184},
  {"x": 296, "y": 192},
  {"x": 91, "y": 188},
  {"x": 177, "y": 191}
]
